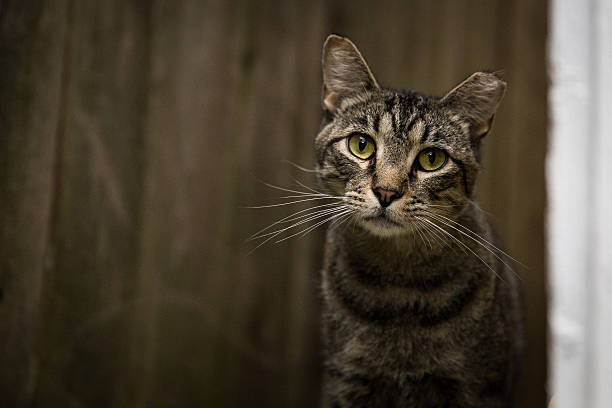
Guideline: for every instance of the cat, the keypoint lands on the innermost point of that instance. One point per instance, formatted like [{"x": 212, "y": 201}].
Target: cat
[{"x": 420, "y": 308}]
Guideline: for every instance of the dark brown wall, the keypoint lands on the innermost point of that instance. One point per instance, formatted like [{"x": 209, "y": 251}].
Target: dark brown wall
[{"x": 132, "y": 133}]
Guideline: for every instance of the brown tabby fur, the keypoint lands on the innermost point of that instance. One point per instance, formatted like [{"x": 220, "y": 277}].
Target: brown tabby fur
[{"x": 418, "y": 312}]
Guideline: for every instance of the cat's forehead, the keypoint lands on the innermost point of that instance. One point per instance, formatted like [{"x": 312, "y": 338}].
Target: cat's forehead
[
  {"x": 400, "y": 117},
  {"x": 396, "y": 102}
]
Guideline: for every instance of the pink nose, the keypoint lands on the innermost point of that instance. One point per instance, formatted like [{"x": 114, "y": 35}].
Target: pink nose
[{"x": 385, "y": 197}]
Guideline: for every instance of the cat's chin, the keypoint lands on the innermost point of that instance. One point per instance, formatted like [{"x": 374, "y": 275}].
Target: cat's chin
[{"x": 383, "y": 227}]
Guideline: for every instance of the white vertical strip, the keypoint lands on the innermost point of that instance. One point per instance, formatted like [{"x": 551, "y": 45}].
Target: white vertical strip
[
  {"x": 579, "y": 177},
  {"x": 601, "y": 352},
  {"x": 569, "y": 184}
]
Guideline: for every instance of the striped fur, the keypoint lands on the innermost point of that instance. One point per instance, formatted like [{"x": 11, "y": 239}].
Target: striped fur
[{"x": 416, "y": 313}]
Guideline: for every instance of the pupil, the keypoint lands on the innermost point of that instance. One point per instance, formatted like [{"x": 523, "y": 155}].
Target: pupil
[
  {"x": 432, "y": 157},
  {"x": 362, "y": 143}
]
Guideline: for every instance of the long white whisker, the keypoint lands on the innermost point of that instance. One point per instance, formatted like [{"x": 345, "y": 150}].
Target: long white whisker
[
  {"x": 295, "y": 217},
  {"x": 307, "y": 230},
  {"x": 444, "y": 206},
  {"x": 465, "y": 246},
  {"x": 429, "y": 232},
  {"x": 310, "y": 217},
  {"x": 339, "y": 221},
  {"x": 290, "y": 203},
  {"x": 274, "y": 235},
  {"x": 290, "y": 218},
  {"x": 477, "y": 236},
  {"x": 297, "y": 166},
  {"x": 443, "y": 239},
  {"x": 311, "y": 195},
  {"x": 478, "y": 242},
  {"x": 263, "y": 242},
  {"x": 306, "y": 187},
  {"x": 347, "y": 212},
  {"x": 422, "y": 236},
  {"x": 447, "y": 241},
  {"x": 282, "y": 188}
]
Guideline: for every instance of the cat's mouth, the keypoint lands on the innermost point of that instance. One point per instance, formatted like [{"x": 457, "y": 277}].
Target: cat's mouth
[{"x": 381, "y": 224}]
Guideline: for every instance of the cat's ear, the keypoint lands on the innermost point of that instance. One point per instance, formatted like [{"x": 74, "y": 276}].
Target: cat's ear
[
  {"x": 476, "y": 99},
  {"x": 345, "y": 72}
]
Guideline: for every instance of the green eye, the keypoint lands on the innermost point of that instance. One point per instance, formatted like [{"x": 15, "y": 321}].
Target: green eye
[
  {"x": 361, "y": 146},
  {"x": 432, "y": 159}
]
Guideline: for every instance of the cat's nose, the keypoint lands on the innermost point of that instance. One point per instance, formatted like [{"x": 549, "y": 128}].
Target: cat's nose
[{"x": 386, "y": 197}]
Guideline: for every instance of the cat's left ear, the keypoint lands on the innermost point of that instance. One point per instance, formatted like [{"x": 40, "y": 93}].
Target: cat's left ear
[
  {"x": 476, "y": 99},
  {"x": 345, "y": 72}
]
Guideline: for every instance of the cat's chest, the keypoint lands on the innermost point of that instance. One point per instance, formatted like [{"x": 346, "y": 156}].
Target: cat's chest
[
  {"x": 402, "y": 351},
  {"x": 419, "y": 303}
]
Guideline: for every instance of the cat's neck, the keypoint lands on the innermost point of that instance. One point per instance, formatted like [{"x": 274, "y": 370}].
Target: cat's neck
[
  {"x": 410, "y": 246},
  {"x": 428, "y": 251}
]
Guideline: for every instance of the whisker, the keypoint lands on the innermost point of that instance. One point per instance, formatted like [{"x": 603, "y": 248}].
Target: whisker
[
  {"x": 339, "y": 221},
  {"x": 479, "y": 243},
  {"x": 309, "y": 195},
  {"x": 444, "y": 240},
  {"x": 320, "y": 208},
  {"x": 422, "y": 236},
  {"x": 289, "y": 217},
  {"x": 447, "y": 241},
  {"x": 335, "y": 217},
  {"x": 312, "y": 227},
  {"x": 310, "y": 217},
  {"x": 291, "y": 202},
  {"x": 275, "y": 234},
  {"x": 339, "y": 216},
  {"x": 306, "y": 187},
  {"x": 281, "y": 188},
  {"x": 477, "y": 236},
  {"x": 444, "y": 206},
  {"x": 432, "y": 233},
  {"x": 465, "y": 246},
  {"x": 297, "y": 166}
]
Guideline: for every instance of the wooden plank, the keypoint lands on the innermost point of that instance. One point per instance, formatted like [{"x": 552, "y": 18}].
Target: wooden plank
[
  {"x": 523, "y": 159},
  {"x": 88, "y": 297},
  {"x": 32, "y": 46}
]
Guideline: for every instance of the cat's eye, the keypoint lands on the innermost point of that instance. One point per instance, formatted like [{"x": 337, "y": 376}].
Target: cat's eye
[
  {"x": 432, "y": 159},
  {"x": 361, "y": 146}
]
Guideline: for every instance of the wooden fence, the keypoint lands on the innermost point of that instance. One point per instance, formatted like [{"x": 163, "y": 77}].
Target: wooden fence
[{"x": 132, "y": 133}]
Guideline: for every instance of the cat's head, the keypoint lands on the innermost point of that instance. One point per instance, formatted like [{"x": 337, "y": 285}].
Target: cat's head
[{"x": 394, "y": 154}]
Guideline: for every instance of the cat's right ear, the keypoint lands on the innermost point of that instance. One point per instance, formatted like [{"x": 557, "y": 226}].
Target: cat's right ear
[{"x": 345, "y": 72}]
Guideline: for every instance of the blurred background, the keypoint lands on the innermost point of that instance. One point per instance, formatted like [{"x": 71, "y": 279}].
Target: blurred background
[{"x": 132, "y": 135}]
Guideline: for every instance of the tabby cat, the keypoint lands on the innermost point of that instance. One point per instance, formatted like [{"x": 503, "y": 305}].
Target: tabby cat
[{"x": 420, "y": 307}]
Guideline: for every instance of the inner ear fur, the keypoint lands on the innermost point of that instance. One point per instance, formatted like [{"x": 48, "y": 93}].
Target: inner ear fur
[
  {"x": 476, "y": 99},
  {"x": 345, "y": 72}
]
